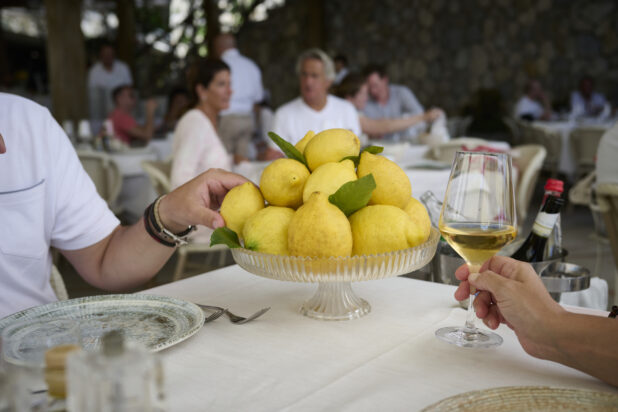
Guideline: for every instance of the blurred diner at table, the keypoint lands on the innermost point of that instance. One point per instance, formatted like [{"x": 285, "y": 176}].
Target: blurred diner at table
[
  {"x": 388, "y": 100},
  {"x": 586, "y": 102},
  {"x": 237, "y": 123},
  {"x": 354, "y": 89},
  {"x": 126, "y": 128},
  {"x": 315, "y": 109},
  {"x": 103, "y": 77},
  {"x": 534, "y": 104},
  {"x": 196, "y": 145}
]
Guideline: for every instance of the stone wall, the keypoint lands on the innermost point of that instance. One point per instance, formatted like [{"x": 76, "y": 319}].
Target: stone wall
[{"x": 446, "y": 50}]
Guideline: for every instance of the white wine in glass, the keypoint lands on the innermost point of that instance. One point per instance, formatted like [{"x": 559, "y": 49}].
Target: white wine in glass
[{"x": 478, "y": 218}]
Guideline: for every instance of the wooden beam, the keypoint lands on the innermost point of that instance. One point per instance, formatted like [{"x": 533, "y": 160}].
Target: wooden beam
[{"x": 126, "y": 34}]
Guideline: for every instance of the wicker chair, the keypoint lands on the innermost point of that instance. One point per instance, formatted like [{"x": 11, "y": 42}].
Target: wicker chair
[
  {"x": 550, "y": 140},
  {"x": 529, "y": 161},
  {"x": 514, "y": 127},
  {"x": 105, "y": 175},
  {"x": 584, "y": 144},
  {"x": 57, "y": 284},
  {"x": 159, "y": 173}
]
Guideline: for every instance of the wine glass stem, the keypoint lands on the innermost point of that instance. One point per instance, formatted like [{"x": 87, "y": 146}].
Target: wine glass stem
[{"x": 471, "y": 316}]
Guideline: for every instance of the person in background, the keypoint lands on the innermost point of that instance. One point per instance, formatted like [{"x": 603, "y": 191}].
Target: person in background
[
  {"x": 315, "y": 109},
  {"x": 125, "y": 126},
  {"x": 607, "y": 157},
  {"x": 103, "y": 77},
  {"x": 196, "y": 145},
  {"x": 237, "y": 123},
  {"x": 354, "y": 89},
  {"x": 177, "y": 104},
  {"x": 391, "y": 101},
  {"x": 585, "y": 101},
  {"x": 48, "y": 200},
  {"x": 511, "y": 292},
  {"x": 534, "y": 104},
  {"x": 341, "y": 68}
]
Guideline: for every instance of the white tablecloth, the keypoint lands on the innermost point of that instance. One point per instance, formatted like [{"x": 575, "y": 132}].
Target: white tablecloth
[{"x": 388, "y": 360}]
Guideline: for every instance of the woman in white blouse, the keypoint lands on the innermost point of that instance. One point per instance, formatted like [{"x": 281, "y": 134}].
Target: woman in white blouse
[{"x": 196, "y": 145}]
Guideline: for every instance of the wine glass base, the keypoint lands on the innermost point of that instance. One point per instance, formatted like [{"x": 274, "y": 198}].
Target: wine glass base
[
  {"x": 467, "y": 338},
  {"x": 335, "y": 301}
]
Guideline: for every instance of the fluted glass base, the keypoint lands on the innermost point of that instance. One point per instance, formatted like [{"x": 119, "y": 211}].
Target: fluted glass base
[{"x": 335, "y": 301}]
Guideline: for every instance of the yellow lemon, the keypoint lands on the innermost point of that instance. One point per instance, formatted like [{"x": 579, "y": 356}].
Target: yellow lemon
[
  {"x": 331, "y": 145},
  {"x": 329, "y": 177},
  {"x": 418, "y": 213},
  {"x": 392, "y": 183},
  {"x": 282, "y": 182},
  {"x": 319, "y": 228},
  {"x": 303, "y": 142},
  {"x": 240, "y": 204},
  {"x": 267, "y": 230},
  {"x": 383, "y": 228}
]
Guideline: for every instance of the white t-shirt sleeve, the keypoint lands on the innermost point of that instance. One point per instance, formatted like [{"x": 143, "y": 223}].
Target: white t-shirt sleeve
[{"x": 81, "y": 216}]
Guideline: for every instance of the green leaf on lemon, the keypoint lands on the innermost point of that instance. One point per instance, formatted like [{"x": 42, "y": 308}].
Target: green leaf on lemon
[
  {"x": 370, "y": 149},
  {"x": 354, "y": 195},
  {"x": 225, "y": 236},
  {"x": 287, "y": 148}
]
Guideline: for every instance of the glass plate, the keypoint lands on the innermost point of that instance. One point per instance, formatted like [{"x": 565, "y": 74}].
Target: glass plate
[
  {"x": 157, "y": 322},
  {"x": 335, "y": 299}
]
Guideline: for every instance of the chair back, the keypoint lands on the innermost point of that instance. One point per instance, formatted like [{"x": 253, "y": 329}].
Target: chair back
[
  {"x": 549, "y": 139},
  {"x": 159, "y": 175},
  {"x": 57, "y": 284},
  {"x": 458, "y": 126},
  {"x": 104, "y": 173},
  {"x": 584, "y": 143},
  {"x": 445, "y": 152},
  {"x": 607, "y": 196},
  {"x": 514, "y": 127},
  {"x": 529, "y": 161}
]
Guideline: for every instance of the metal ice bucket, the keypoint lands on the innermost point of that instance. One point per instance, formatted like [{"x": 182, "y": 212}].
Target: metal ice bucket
[{"x": 561, "y": 277}]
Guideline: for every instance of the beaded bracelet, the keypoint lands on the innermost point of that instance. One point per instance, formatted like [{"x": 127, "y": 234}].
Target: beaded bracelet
[{"x": 154, "y": 227}]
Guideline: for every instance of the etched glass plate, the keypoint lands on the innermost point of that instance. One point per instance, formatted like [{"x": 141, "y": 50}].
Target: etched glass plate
[{"x": 157, "y": 322}]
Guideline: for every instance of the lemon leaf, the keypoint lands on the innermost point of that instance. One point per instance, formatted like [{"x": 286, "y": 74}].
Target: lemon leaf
[
  {"x": 287, "y": 148},
  {"x": 354, "y": 195},
  {"x": 225, "y": 236},
  {"x": 370, "y": 149}
]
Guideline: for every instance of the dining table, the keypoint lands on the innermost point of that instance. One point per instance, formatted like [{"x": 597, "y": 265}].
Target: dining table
[{"x": 388, "y": 359}]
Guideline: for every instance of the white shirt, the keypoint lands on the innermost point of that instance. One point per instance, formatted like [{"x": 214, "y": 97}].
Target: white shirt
[
  {"x": 246, "y": 80},
  {"x": 294, "y": 119},
  {"x": 581, "y": 107},
  {"x": 527, "y": 106},
  {"x": 196, "y": 148},
  {"x": 607, "y": 157},
  {"x": 101, "y": 83},
  {"x": 46, "y": 199}
]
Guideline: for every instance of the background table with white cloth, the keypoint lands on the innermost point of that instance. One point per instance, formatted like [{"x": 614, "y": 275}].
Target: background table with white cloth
[{"x": 387, "y": 360}]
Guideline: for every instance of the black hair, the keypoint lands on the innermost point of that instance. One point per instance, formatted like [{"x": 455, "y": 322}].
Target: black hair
[
  {"x": 380, "y": 69},
  {"x": 118, "y": 89},
  {"x": 202, "y": 72},
  {"x": 341, "y": 58},
  {"x": 350, "y": 85}
]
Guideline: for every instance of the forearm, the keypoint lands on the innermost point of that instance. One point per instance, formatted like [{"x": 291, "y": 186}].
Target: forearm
[
  {"x": 587, "y": 343},
  {"x": 385, "y": 126}
]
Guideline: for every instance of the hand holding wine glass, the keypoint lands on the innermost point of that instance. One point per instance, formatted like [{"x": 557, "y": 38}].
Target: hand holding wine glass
[{"x": 477, "y": 219}]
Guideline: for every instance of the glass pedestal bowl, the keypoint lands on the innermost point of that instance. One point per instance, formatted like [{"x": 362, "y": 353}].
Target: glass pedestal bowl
[{"x": 334, "y": 299}]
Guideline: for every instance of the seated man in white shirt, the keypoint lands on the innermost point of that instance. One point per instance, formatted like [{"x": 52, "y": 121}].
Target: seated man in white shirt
[
  {"x": 534, "y": 104},
  {"x": 47, "y": 199},
  {"x": 315, "y": 109},
  {"x": 585, "y": 101}
]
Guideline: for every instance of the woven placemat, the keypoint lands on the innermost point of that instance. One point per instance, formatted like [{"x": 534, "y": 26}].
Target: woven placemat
[{"x": 528, "y": 398}]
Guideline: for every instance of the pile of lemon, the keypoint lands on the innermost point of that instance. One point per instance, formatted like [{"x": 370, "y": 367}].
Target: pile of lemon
[{"x": 299, "y": 219}]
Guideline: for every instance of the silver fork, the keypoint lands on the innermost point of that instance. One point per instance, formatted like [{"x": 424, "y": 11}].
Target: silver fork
[
  {"x": 218, "y": 312},
  {"x": 238, "y": 320}
]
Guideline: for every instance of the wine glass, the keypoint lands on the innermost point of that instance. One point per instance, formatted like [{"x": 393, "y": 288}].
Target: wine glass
[{"x": 477, "y": 219}]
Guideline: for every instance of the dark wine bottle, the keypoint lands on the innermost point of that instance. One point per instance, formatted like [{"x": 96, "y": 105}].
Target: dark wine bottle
[{"x": 533, "y": 249}]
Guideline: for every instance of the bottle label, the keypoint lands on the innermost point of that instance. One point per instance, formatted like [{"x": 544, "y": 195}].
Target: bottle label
[{"x": 544, "y": 223}]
